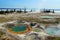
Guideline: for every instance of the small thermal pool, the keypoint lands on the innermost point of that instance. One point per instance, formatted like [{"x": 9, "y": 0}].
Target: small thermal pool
[
  {"x": 53, "y": 30},
  {"x": 46, "y": 16}
]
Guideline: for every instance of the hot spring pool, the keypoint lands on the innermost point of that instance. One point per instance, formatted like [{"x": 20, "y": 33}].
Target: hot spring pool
[
  {"x": 19, "y": 28},
  {"x": 53, "y": 30},
  {"x": 46, "y": 16}
]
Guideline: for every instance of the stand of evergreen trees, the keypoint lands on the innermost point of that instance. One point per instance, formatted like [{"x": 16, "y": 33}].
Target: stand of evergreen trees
[
  {"x": 13, "y": 10},
  {"x": 7, "y": 11},
  {"x": 48, "y": 11},
  {"x": 19, "y": 11}
]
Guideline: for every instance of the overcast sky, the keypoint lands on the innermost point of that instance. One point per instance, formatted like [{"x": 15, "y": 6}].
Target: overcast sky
[{"x": 39, "y": 4}]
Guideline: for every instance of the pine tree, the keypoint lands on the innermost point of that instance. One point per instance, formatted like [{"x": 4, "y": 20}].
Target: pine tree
[{"x": 25, "y": 10}]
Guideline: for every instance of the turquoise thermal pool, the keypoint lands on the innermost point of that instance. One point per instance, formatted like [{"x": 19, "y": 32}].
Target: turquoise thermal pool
[
  {"x": 19, "y": 28},
  {"x": 46, "y": 16},
  {"x": 53, "y": 30}
]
